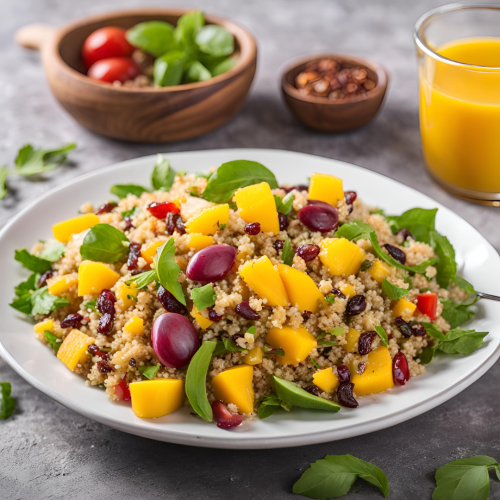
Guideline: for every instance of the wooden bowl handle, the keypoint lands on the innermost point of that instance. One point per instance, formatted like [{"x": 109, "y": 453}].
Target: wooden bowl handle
[{"x": 34, "y": 36}]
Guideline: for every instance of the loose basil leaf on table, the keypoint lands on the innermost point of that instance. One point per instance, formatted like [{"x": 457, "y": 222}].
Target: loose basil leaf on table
[
  {"x": 288, "y": 253},
  {"x": 167, "y": 271},
  {"x": 149, "y": 371},
  {"x": 104, "y": 243},
  {"x": 196, "y": 379},
  {"x": 196, "y": 72},
  {"x": 382, "y": 334},
  {"x": 32, "y": 262},
  {"x": 227, "y": 345},
  {"x": 203, "y": 297},
  {"x": 215, "y": 40},
  {"x": 7, "y": 403},
  {"x": 163, "y": 175},
  {"x": 394, "y": 292},
  {"x": 354, "y": 231},
  {"x": 169, "y": 68},
  {"x": 53, "y": 250},
  {"x": 154, "y": 37},
  {"x": 32, "y": 161},
  {"x": 122, "y": 190},
  {"x": 54, "y": 342}
]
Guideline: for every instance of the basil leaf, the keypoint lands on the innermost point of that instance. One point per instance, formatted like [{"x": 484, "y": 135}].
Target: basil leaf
[
  {"x": 196, "y": 389},
  {"x": 294, "y": 395},
  {"x": 383, "y": 335},
  {"x": 92, "y": 305},
  {"x": 32, "y": 262},
  {"x": 196, "y": 72},
  {"x": 7, "y": 404},
  {"x": 270, "y": 404},
  {"x": 203, "y": 297},
  {"x": 394, "y": 292},
  {"x": 460, "y": 341},
  {"x": 338, "y": 330},
  {"x": 163, "y": 174},
  {"x": 149, "y": 371},
  {"x": 130, "y": 213},
  {"x": 353, "y": 231},
  {"x": 233, "y": 175},
  {"x": 223, "y": 66},
  {"x": 32, "y": 161},
  {"x": 433, "y": 331},
  {"x": 168, "y": 69},
  {"x": 142, "y": 280},
  {"x": 122, "y": 190},
  {"x": 167, "y": 271},
  {"x": 365, "y": 265},
  {"x": 52, "y": 251},
  {"x": 335, "y": 474},
  {"x": 227, "y": 345},
  {"x": 288, "y": 252},
  {"x": 187, "y": 27},
  {"x": 457, "y": 313},
  {"x": 154, "y": 37},
  {"x": 44, "y": 303},
  {"x": 446, "y": 266},
  {"x": 54, "y": 342},
  {"x": 3, "y": 178},
  {"x": 26, "y": 286},
  {"x": 427, "y": 354},
  {"x": 464, "y": 284},
  {"x": 419, "y": 268},
  {"x": 284, "y": 205},
  {"x": 215, "y": 40},
  {"x": 104, "y": 243}
]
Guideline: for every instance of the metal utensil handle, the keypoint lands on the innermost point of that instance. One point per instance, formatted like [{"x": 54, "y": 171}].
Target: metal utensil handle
[{"x": 488, "y": 296}]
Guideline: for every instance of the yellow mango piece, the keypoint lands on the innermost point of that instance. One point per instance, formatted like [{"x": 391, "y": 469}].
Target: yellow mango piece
[
  {"x": 62, "y": 284},
  {"x": 326, "y": 187},
  {"x": 253, "y": 356},
  {"x": 199, "y": 241},
  {"x": 135, "y": 325},
  {"x": 126, "y": 294},
  {"x": 297, "y": 344},
  {"x": 202, "y": 321},
  {"x": 47, "y": 324},
  {"x": 73, "y": 348},
  {"x": 265, "y": 281},
  {"x": 148, "y": 253},
  {"x": 341, "y": 256},
  {"x": 348, "y": 291},
  {"x": 65, "y": 229},
  {"x": 94, "y": 277},
  {"x": 403, "y": 308},
  {"x": 208, "y": 221},
  {"x": 256, "y": 204},
  {"x": 156, "y": 398},
  {"x": 377, "y": 376},
  {"x": 326, "y": 380},
  {"x": 352, "y": 338},
  {"x": 379, "y": 271},
  {"x": 301, "y": 289},
  {"x": 235, "y": 386}
]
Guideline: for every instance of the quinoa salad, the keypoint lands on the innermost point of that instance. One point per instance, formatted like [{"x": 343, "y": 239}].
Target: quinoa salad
[{"x": 239, "y": 297}]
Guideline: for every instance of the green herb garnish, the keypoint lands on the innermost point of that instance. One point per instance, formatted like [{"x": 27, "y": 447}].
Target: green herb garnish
[
  {"x": 149, "y": 371},
  {"x": 142, "y": 280},
  {"x": 38, "y": 302},
  {"x": 7, "y": 404},
  {"x": 54, "y": 342},
  {"x": 382, "y": 334},
  {"x": 288, "y": 252},
  {"x": 353, "y": 231},
  {"x": 270, "y": 404},
  {"x": 330, "y": 299},
  {"x": 169, "y": 68},
  {"x": 167, "y": 271},
  {"x": 458, "y": 313},
  {"x": 227, "y": 345},
  {"x": 284, "y": 205},
  {"x": 365, "y": 265},
  {"x": 122, "y": 190},
  {"x": 394, "y": 292},
  {"x": 32, "y": 262},
  {"x": 315, "y": 364},
  {"x": 154, "y": 37},
  {"x": 52, "y": 251},
  {"x": 130, "y": 213},
  {"x": 104, "y": 243},
  {"x": 163, "y": 174},
  {"x": 203, "y": 297},
  {"x": 214, "y": 40}
]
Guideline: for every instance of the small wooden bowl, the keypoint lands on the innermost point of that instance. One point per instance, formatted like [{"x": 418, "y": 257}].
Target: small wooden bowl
[
  {"x": 325, "y": 115},
  {"x": 140, "y": 114}
]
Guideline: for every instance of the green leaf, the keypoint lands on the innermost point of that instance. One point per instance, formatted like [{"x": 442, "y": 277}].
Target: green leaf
[
  {"x": 187, "y": 27},
  {"x": 234, "y": 175},
  {"x": 446, "y": 266},
  {"x": 460, "y": 341},
  {"x": 294, "y": 395},
  {"x": 196, "y": 376},
  {"x": 464, "y": 284},
  {"x": 32, "y": 262},
  {"x": 394, "y": 292},
  {"x": 270, "y": 404},
  {"x": 53, "y": 250},
  {"x": 149, "y": 371},
  {"x": 288, "y": 252},
  {"x": 7, "y": 404},
  {"x": 457, "y": 313},
  {"x": 227, "y": 345},
  {"x": 26, "y": 286},
  {"x": 353, "y": 231},
  {"x": 365, "y": 265},
  {"x": 330, "y": 299},
  {"x": 104, "y": 243},
  {"x": 433, "y": 331},
  {"x": 333, "y": 477},
  {"x": 3, "y": 185},
  {"x": 167, "y": 271},
  {"x": 338, "y": 330},
  {"x": 54, "y": 342},
  {"x": 223, "y": 66},
  {"x": 163, "y": 174},
  {"x": 168, "y": 69},
  {"x": 92, "y": 305},
  {"x": 382, "y": 334},
  {"x": 153, "y": 37},
  {"x": 196, "y": 72},
  {"x": 203, "y": 297},
  {"x": 122, "y": 190},
  {"x": 32, "y": 161},
  {"x": 44, "y": 303},
  {"x": 130, "y": 213},
  {"x": 215, "y": 40},
  {"x": 22, "y": 304},
  {"x": 284, "y": 205},
  {"x": 142, "y": 280},
  {"x": 315, "y": 364},
  {"x": 427, "y": 354}
]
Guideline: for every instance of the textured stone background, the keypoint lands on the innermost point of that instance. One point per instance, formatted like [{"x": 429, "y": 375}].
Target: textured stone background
[{"x": 46, "y": 451}]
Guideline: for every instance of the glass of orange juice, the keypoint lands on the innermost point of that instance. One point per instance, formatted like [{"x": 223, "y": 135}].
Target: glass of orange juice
[{"x": 458, "y": 50}]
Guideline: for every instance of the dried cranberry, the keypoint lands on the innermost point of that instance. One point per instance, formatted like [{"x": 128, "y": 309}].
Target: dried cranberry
[
  {"x": 278, "y": 244},
  {"x": 301, "y": 187},
  {"x": 132, "y": 362},
  {"x": 160, "y": 210},
  {"x": 213, "y": 316},
  {"x": 128, "y": 224},
  {"x": 173, "y": 223},
  {"x": 106, "y": 302},
  {"x": 180, "y": 226},
  {"x": 134, "y": 251},
  {"x": 356, "y": 305},
  {"x": 283, "y": 220},
  {"x": 287, "y": 189},
  {"x": 95, "y": 351},
  {"x": 345, "y": 395},
  {"x": 405, "y": 234},
  {"x": 105, "y": 323},
  {"x": 252, "y": 229},
  {"x": 244, "y": 310},
  {"x": 343, "y": 373},
  {"x": 308, "y": 252},
  {"x": 400, "y": 369},
  {"x": 319, "y": 218},
  {"x": 396, "y": 253},
  {"x": 306, "y": 315},
  {"x": 224, "y": 418},
  {"x": 72, "y": 321},
  {"x": 169, "y": 302},
  {"x": 350, "y": 197},
  {"x": 403, "y": 327},
  {"x": 418, "y": 330},
  {"x": 338, "y": 293},
  {"x": 312, "y": 389},
  {"x": 365, "y": 342},
  {"x": 236, "y": 336},
  {"x": 105, "y": 208},
  {"x": 104, "y": 367},
  {"x": 44, "y": 277},
  {"x": 361, "y": 368}
]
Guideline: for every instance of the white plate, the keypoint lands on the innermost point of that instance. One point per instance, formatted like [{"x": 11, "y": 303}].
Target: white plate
[{"x": 446, "y": 376}]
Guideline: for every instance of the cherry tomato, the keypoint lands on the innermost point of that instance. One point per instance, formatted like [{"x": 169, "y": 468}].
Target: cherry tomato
[
  {"x": 122, "y": 390},
  {"x": 427, "y": 304},
  {"x": 114, "y": 68},
  {"x": 104, "y": 43}
]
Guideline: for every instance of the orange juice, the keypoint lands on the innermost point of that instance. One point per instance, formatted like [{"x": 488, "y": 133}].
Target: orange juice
[{"x": 460, "y": 114}]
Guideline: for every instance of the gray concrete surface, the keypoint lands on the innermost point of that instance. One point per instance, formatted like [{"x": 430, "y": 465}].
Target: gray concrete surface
[{"x": 49, "y": 452}]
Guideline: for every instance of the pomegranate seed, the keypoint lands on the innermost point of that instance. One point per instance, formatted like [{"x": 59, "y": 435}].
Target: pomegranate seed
[
  {"x": 213, "y": 316},
  {"x": 307, "y": 252},
  {"x": 72, "y": 321},
  {"x": 252, "y": 229},
  {"x": 169, "y": 302},
  {"x": 361, "y": 368},
  {"x": 356, "y": 305},
  {"x": 405, "y": 234},
  {"x": 365, "y": 342},
  {"x": 105, "y": 208},
  {"x": 312, "y": 389},
  {"x": 400, "y": 369},
  {"x": 338, "y": 293},
  {"x": 224, "y": 418},
  {"x": 104, "y": 367},
  {"x": 403, "y": 327},
  {"x": 319, "y": 218},
  {"x": 132, "y": 362},
  {"x": 160, "y": 210},
  {"x": 244, "y": 310},
  {"x": 134, "y": 251},
  {"x": 418, "y": 330},
  {"x": 278, "y": 244},
  {"x": 283, "y": 221},
  {"x": 44, "y": 277},
  {"x": 350, "y": 197},
  {"x": 343, "y": 373},
  {"x": 396, "y": 253},
  {"x": 345, "y": 395},
  {"x": 122, "y": 390}
]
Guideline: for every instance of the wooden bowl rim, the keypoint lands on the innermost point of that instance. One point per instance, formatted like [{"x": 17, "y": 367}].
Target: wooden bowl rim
[
  {"x": 380, "y": 88},
  {"x": 248, "y": 48}
]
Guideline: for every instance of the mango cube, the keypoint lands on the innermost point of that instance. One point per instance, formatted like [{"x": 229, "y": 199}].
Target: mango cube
[
  {"x": 208, "y": 221},
  {"x": 73, "y": 348},
  {"x": 326, "y": 380},
  {"x": 94, "y": 277},
  {"x": 341, "y": 256},
  {"x": 135, "y": 325},
  {"x": 202, "y": 321},
  {"x": 198, "y": 242},
  {"x": 235, "y": 386},
  {"x": 403, "y": 308},
  {"x": 377, "y": 376},
  {"x": 126, "y": 295},
  {"x": 47, "y": 324},
  {"x": 325, "y": 187},
  {"x": 297, "y": 344},
  {"x": 352, "y": 338},
  {"x": 253, "y": 356},
  {"x": 379, "y": 271},
  {"x": 62, "y": 284},
  {"x": 65, "y": 229},
  {"x": 265, "y": 281},
  {"x": 348, "y": 291},
  {"x": 148, "y": 253},
  {"x": 156, "y": 398},
  {"x": 256, "y": 204},
  {"x": 301, "y": 289}
]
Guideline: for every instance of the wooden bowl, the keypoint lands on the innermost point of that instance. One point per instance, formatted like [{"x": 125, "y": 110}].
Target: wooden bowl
[
  {"x": 325, "y": 115},
  {"x": 140, "y": 114}
]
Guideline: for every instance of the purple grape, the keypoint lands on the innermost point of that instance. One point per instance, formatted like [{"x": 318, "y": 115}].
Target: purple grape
[
  {"x": 317, "y": 217},
  {"x": 211, "y": 264}
]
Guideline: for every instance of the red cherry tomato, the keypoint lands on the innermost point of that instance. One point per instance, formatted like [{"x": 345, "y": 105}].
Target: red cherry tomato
[
  {"x": 427, "y": 304},
  {"x": 114, "y": 68},
  {"x": 104, "y": 43},
  {"x": 122, "y": 390}
]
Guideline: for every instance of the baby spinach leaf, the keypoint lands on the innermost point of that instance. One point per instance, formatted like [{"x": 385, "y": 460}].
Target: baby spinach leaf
[
  {"x": 215, "y": 40},
  {"x": 394, "y": 292},
  {"x": 223, "y": 66},
  {"x": 149, "y": 371},
  {"x": 288, "y": 252},
  {"x": 153, "y": 37},
  {"x": 54, "y": 342},
  {"x": 382, "y": 334},
  {"x": 7, "y": 403},
  {"x": 32, "y": 161},
  {"x": 122, "y": 190},
  {"x": 427, "y": 354},
  {"x": 270, "y": 404},
  {"x": 196, "y": 72},
  {"x": 460, "y": 341},
  {"x": 433, "y": 331},
  {"x": 458, "y": 313},
  {"x": 52, "y": 251},
  {"x": 464, "y": 284},
  {"x": 142, "y": 280},
  {"x": 227, "y": 345},
  {"x": 163, "y": 174},
  {"x": 32, "y": 262},
  {"x": 104, "y": 243},
  {"x": 353, "y": 231},
  {"x": 44, "y": 303},
  {"x": 167, "y": 271},
  {"x": 203, "y": 297},
  {"x": 196, "y": 380},
  {"x": 168, "y": 69},
  {"x": 234, "y": 175},
  {"x": 419, "y": 221},
  {"x": 446, "y": 266}
]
